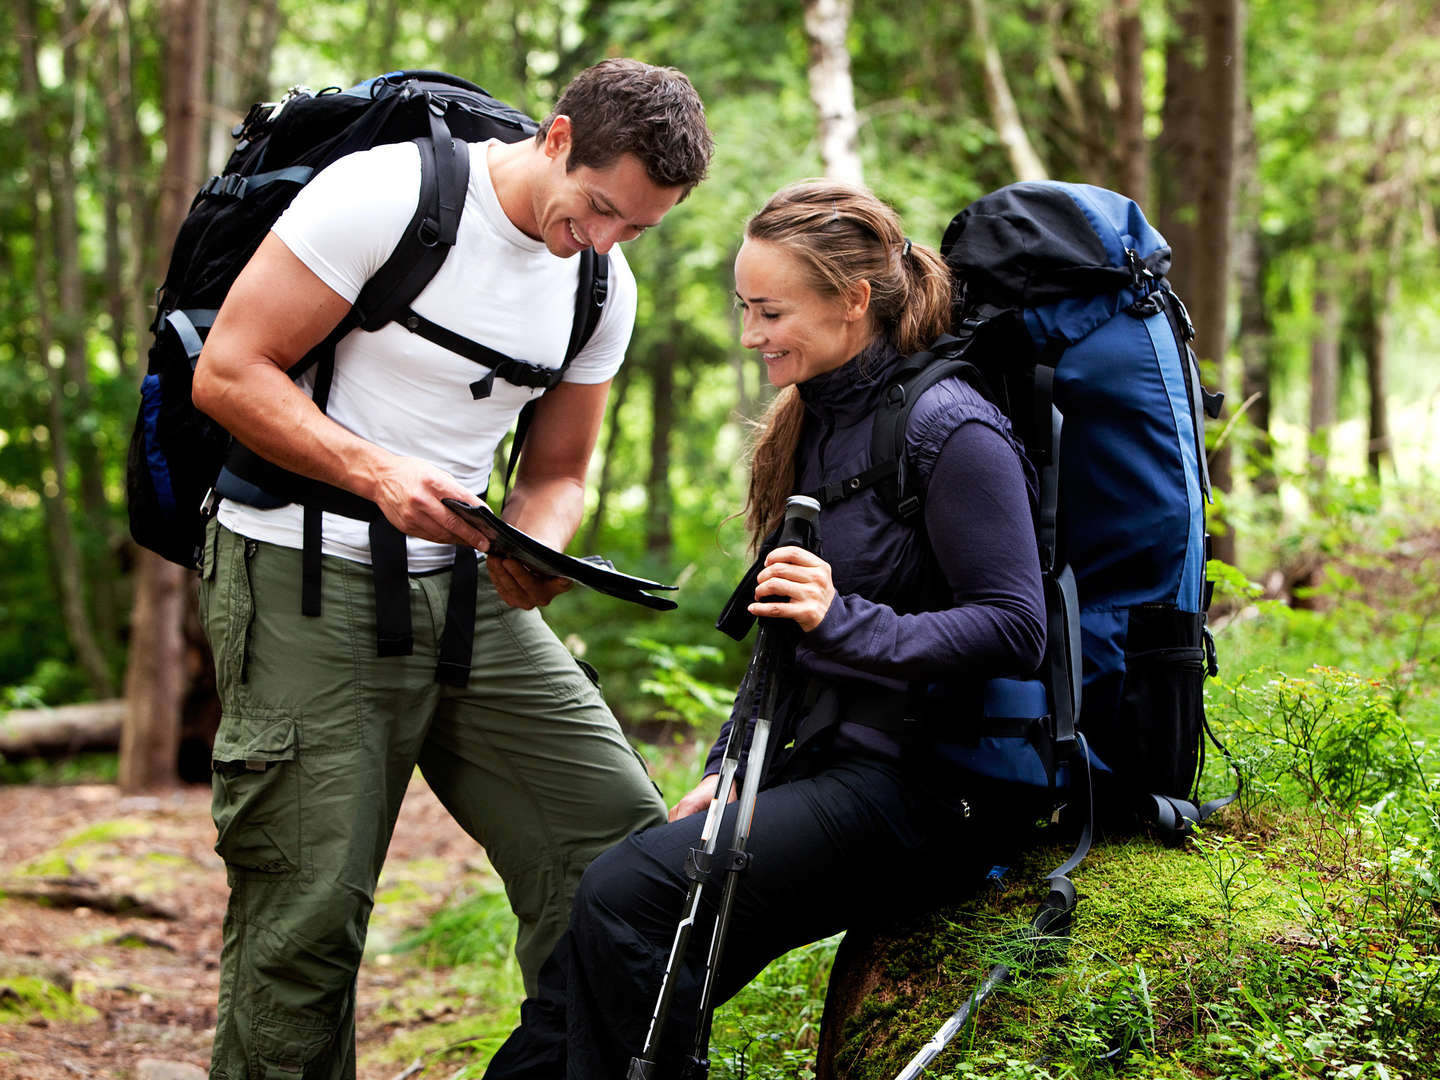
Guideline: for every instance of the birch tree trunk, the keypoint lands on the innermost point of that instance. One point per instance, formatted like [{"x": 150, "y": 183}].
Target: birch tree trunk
[
  {"x": 827, "y": 22},
  {"x": 1132, "y": 170},
  {"x": 156, "y": 675},
  {"x": 1003, "y": 111}
]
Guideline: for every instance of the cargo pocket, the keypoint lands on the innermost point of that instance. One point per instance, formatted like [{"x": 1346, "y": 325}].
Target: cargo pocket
[
  {"x": 1162, "y": 704},
  {"x": 287, "y": 1044},
  {"x": 256, "y": 796}
]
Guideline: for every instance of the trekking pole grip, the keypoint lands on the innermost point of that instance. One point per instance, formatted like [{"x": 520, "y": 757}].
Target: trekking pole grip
[{"x": 801, "y": 525}]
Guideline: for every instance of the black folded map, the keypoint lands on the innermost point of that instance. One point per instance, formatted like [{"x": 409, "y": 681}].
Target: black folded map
[{"x": 592, "y": 571}]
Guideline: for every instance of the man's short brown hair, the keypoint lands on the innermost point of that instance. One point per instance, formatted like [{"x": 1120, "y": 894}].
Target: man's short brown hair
[{"x": 625, "y": 106}]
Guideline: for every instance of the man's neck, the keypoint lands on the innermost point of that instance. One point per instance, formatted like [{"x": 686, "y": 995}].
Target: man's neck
[{"x": 512, "y": 168}]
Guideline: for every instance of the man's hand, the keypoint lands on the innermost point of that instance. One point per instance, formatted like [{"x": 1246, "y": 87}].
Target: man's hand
[
  {"x": 408, "y": 491},
  {"x": 701, "y": 797},
  {"x": 800, "y": 576},
  {"x": 520, "y": 587}
]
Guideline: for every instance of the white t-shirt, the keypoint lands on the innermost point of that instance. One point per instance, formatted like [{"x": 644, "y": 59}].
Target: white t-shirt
[{"x": 497, "y": 287}]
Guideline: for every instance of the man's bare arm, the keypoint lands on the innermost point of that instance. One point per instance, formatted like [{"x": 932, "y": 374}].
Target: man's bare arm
[
  {"x": 548, "y": 499},
  {"x": 274, "y": 314}
]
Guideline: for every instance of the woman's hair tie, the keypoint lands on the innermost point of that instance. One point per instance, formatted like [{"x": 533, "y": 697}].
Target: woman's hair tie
[{"x": 906, "y": 249}]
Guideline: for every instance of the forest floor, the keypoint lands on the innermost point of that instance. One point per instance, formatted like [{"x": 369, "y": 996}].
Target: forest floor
[{"x": 110, "y": 914}]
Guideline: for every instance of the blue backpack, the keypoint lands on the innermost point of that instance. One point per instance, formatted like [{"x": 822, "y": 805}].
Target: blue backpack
[{"x": 1064, "y": 318}]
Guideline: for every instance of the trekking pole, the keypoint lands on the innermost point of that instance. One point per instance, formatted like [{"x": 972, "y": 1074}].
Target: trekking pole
[
  {"x": 1053, "y": 918},
  {"x": 798, "y": 529}
]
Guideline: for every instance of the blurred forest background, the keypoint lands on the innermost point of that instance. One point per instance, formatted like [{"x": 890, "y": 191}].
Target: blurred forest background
[{"x": 1289, "y": 149}]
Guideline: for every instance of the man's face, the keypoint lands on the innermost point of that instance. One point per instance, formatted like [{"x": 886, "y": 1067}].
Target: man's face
[{"x": 597, "y": 208}]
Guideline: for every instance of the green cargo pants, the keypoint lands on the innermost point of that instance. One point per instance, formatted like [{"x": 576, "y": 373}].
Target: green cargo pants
[{"x": 317, "y": 745}]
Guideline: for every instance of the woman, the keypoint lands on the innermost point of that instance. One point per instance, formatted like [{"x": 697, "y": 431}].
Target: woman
[{"x": 856, "y": 819}]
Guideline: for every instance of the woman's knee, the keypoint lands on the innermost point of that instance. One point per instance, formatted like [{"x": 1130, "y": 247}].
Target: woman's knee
[{"x": 628, "y": 892}]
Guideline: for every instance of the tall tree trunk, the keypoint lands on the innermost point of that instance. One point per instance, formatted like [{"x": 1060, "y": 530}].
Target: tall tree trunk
[
  {"x": 1092, "y": 151},
  {"x": 658, "y": 500},
  {"x": 607, "y": 461},
  {"x": 227, "y": 29},
  {"x": 827, "y": 23},
  {"x": 1003, "y": 111},
  {"x": 1324, "y": 375},
  {"x": 1256, "y": 333},
  {"x": 1255, "y": 346},
  {"x": 1203, "y": 90},
  {"x": 49, "y": 262},
  {"x": 101, "y": 569},
  {"x": 262, "y": 31},
  {"x": 1132, "y": 170},
  {"x": 155, "y": 679},
  {"x": 1327, "y": 324},
  {"x": 1378, "y": 299},
  {"x": 126, "y": 216}
]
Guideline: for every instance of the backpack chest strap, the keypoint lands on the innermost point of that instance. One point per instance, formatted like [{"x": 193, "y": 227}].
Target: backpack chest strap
[{"x": 516, "y": 372}]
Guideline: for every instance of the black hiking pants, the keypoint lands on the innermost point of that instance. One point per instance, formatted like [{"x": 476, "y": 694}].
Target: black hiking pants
[{"x": 852, "y": 844}]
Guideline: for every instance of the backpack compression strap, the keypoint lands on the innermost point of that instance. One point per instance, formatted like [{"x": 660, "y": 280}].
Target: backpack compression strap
[{"x": 887, "y": 470}]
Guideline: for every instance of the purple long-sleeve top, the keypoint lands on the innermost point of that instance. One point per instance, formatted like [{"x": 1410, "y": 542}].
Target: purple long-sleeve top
[{"x": 952, "y": 598}]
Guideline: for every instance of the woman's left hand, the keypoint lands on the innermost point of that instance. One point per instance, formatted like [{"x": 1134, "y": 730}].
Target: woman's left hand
[{"x": 803, "y": 579}]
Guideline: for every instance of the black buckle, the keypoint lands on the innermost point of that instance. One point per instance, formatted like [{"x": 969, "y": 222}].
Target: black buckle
[
  {"x": 1141, "y": 278},
  {"x": 520, "y": 373}
]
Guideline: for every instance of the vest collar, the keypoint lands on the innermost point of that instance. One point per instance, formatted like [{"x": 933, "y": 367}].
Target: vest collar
[{"x": 849, "y": 392}]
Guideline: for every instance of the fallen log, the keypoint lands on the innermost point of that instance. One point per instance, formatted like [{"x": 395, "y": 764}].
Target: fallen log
[
  {"x": 64, "y": 729},
  {"x": 86, "y": 893}
]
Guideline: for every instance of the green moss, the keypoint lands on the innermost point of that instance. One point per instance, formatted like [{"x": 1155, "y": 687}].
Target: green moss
[
  {"x": 28, "y": 997},
  {"x": 465, "y": 1040},
  {"x": 50, "y": 864},
  {"x": 107, "y": 832}
]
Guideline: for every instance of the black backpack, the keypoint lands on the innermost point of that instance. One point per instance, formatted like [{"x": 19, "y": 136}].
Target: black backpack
[{"x": 176, "y": 452}]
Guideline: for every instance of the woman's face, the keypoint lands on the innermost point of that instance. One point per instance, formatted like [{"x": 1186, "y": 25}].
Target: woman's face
[{"x": 799, "y": 332}]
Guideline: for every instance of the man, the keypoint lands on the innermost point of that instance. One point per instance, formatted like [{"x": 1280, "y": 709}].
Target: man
[{"x": 320, "y": 734}]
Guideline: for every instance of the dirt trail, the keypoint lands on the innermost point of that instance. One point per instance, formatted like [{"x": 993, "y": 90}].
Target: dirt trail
[{"x": 146, "y": 985}]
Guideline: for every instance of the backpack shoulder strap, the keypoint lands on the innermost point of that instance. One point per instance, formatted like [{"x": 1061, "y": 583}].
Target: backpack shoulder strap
[
  {"x": 591, "y": 292},
  {"x": 888, "y": 470},
  {"x": 427, "y": 240}
]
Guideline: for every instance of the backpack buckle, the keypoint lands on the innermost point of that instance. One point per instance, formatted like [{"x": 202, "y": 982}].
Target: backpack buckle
[
  {"x": 908, "y": 507},
  {"x": 1141, "y": 278}
]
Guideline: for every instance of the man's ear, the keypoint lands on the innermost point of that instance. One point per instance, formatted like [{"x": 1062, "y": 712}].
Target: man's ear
[
  {"x": 557, "y": 137},
  {"x": 857, "y": 302}
]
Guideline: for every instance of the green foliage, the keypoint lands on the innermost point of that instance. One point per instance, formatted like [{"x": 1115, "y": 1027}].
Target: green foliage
[
  {"x": 685, "y": 698},
  {"x": 769, "y": 1030},
  {"x": 479, "y": 930},
  {"x": 90, "y": 768},
  {"x": 1333, "y": 739}
]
